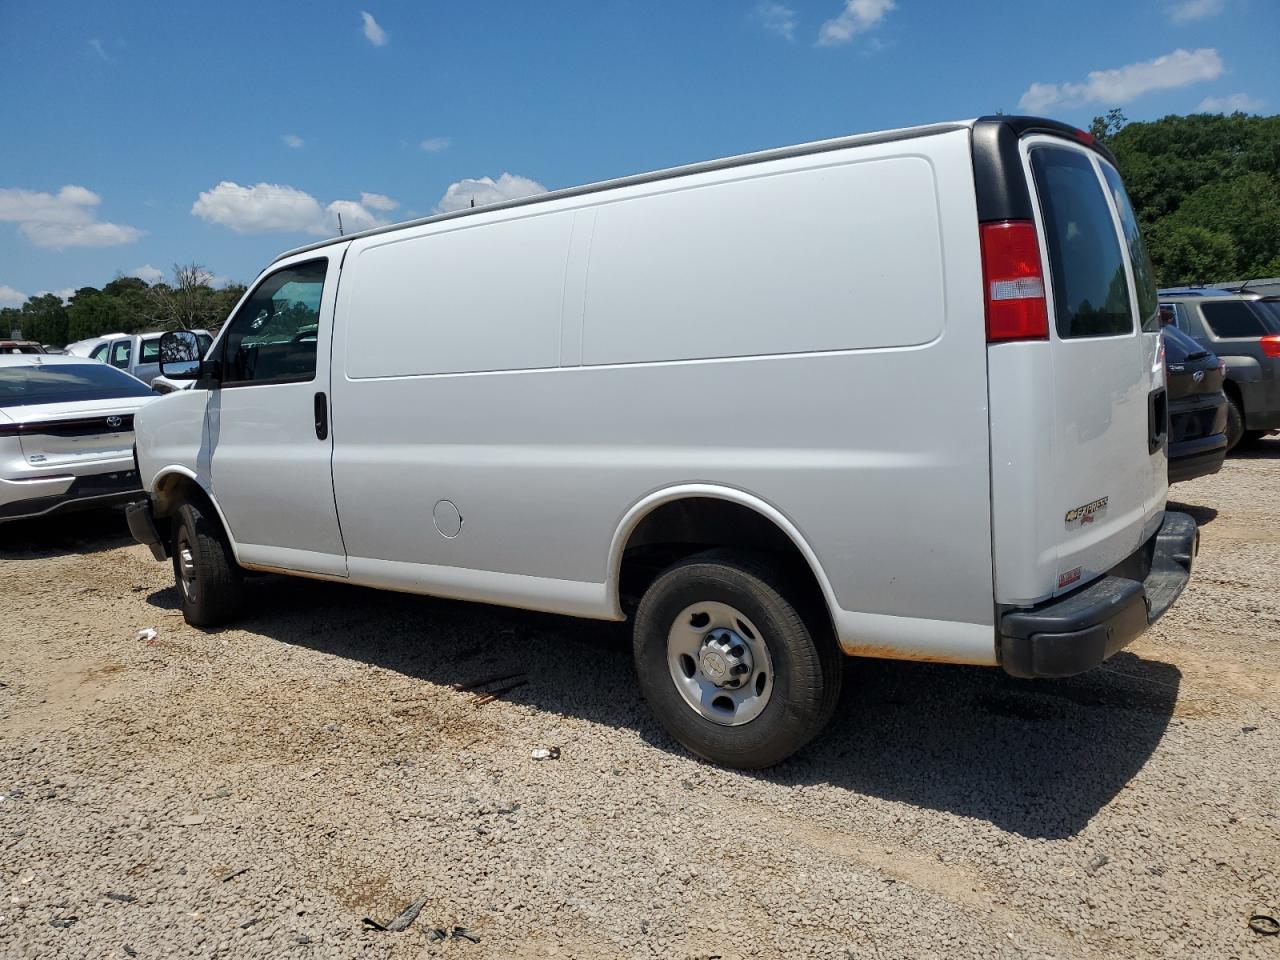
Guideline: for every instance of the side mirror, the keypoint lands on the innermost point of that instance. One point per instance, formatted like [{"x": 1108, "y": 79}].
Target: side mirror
[
  {"x": 1166, "y": 316},
  {"x": 180, "y": 355}
]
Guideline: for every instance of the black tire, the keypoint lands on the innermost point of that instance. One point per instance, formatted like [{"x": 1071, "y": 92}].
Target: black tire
[
  {"x": 1235, "y": 424},
  {"x": 214, "y": 592},
  {"x": 806, "y": 664},
  {"x": 1252, "y": 438}
]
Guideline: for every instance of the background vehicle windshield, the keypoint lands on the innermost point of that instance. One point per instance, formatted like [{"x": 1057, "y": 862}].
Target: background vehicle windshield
[{"x": 25, "y": 385}]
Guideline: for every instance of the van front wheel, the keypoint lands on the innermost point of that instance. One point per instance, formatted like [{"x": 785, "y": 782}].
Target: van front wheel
[
  {"x": 729, "y": 665},
  {"x": 210, "y": 582}
]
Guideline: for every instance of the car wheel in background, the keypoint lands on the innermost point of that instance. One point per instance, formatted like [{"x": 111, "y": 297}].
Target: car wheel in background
[{"x": 1235, "y": 424}]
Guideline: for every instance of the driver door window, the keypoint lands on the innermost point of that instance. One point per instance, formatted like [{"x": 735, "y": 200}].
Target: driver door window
[
  {"x": 120, "y": 354},
  {"x": 272, "y": 337}
]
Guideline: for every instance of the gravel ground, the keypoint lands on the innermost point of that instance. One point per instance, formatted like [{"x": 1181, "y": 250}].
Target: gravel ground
[{"x": 258, "y": 792}]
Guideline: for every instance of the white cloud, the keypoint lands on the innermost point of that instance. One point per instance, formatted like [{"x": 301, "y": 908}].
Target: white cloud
[
  {"x": 147, "y": 273},
  {"x": 858, "y": 16},
  {"x": 64, "y": 294},
  {"x": 1187, "y": 10},
  {"x": 10, "y": 297},
  {"x": 776, "y": 18},
  {"x": 373, "y": 32},
  {"x": 293, "y": 141},
  {"x": 278, "y": 208},
  {"x": 435, "y": 144},
  {"x": 378, "y": 201},
  {"x": 98, "y": 48},
  {"x": 1230, "y": 104},
  {"x": 1122, "y": 84},
  {"x": 486, "y": 190},
  {"x": 64, "y": 219},
  {"x": 354, "y": 217},
  {"x": 262, "y": 208}
]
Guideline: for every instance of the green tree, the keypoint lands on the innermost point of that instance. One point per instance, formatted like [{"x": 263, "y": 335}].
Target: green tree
[
  {"x": 1206, "y": 188},
  {"x": 91, "y": 314},
  {"x": 44, "y": 318}
]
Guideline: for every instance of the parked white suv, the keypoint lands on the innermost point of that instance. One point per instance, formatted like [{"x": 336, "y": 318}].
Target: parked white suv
[{"x": 892, "y": 395}]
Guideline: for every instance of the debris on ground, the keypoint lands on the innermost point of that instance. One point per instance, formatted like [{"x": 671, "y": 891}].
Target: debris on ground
[
  {"x": 407, "y": 916},
  {"x": 233, "y": 874},
  {"x": 545, "y": 753},
  {"x": 487, "y": 689},
  {"x": 62, "y": 923},
  {"x": 1266, "y": 925},
  {"x": 122, "y": 897},
  {"x": 440, "y": 934},
  {"x": 147, "y": 634}
]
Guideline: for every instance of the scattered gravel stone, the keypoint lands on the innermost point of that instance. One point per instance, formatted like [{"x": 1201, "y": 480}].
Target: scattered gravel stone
[{"x": 947, "y": 811}]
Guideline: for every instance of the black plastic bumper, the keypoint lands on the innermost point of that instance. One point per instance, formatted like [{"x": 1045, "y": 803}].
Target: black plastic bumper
[
  {"x": 143, "y": 527},
  {"x": 85, "y": 493},
  {"x": 1196, "y": 458},
  {"x": 1074, "y": 633}
]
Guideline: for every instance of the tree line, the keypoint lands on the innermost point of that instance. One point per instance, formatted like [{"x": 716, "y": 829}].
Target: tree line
[
  {"x": 125, "y": 305},
  {"x": 1206, "y": 188}
]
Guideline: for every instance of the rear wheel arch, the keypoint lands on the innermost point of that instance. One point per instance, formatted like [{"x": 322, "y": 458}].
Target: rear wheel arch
[{"x": 672, "y": 524}]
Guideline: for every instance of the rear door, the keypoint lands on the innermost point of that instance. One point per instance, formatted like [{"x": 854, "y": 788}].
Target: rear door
[{"x": 1108, "y": 479}]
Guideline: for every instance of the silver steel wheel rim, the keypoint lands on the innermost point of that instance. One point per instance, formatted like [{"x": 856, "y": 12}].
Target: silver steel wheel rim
[
  {"x": 186, "y": 567},
  {"x": 720, "y": 663}
]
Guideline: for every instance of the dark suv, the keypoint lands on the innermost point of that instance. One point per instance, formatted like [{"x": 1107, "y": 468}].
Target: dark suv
[{"x": 1244, "y": 330}]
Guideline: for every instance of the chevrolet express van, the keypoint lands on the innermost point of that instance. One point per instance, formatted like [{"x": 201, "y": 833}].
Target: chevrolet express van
[{"x": 891, "y": 395}]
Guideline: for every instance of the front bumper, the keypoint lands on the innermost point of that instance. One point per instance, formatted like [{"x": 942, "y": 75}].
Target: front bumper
[
  {"x": 142, "y": 524},
  {"x": 1074, "y": 633},
  {"x": 24, "y": 499}
]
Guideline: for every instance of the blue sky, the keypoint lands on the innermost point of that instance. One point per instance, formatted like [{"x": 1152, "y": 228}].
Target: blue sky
[{"x": 138, "y": 135}]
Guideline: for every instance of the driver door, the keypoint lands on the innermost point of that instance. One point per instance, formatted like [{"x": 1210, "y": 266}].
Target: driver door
[{"x": 269, "y": 442}]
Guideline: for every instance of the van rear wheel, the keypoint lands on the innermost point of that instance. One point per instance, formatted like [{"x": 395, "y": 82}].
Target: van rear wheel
[
  {"x": 210, "y": 582},
  {"x": 729, "y": 665}
]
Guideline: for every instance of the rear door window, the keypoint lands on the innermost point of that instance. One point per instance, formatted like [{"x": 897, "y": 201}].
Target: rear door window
[
  {"x": 120, "y": 353},
  {"x": 1144, "y": 275},
  {"x": 1090, "y": 290},
  {"x": 150, "y": 350},
  {"x": 1233, "y": 319}
]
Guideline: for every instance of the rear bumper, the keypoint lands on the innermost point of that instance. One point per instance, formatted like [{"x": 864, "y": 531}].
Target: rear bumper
[
  {"x": 82, "y": 493},
  {"x": 1074, "y": 633},
  {"x": 1196, "y": 458},
  {"x": 142, "y": 524}
]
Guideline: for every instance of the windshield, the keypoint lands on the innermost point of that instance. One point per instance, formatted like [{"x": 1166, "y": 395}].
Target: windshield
[{"x": 60, "y": 383}]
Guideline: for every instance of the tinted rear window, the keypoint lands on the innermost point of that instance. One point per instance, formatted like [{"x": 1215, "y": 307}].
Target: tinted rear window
[
  {"x": 1090, "y": 291},
  {"x": 58, "y": 383},
  {"x": 1144, "y": 274},
  {"x": 1237, "y": 318}
]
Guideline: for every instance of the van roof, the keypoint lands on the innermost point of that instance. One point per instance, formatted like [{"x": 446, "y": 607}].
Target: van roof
[{"x": 1020, "y": 125}]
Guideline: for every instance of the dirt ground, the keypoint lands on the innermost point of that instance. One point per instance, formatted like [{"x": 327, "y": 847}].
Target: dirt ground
[{"x": 260, "y": 791}]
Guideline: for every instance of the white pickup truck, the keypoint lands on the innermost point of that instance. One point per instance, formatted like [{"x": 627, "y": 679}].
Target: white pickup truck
[
  {"x": 137, "y": 354},
  {"x": 897, "y": 395}
]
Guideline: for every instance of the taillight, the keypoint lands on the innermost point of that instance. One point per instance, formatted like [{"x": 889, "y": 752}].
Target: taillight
[
  {"x": 1271, "y": 345},
  {"x": 1014, "y": 282}
]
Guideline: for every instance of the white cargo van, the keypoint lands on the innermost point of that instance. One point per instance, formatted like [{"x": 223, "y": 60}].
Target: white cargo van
[{"x": 891, "y": 395}]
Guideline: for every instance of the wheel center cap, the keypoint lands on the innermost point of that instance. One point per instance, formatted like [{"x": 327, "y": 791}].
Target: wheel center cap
[{"x": 714, "y": 666}]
